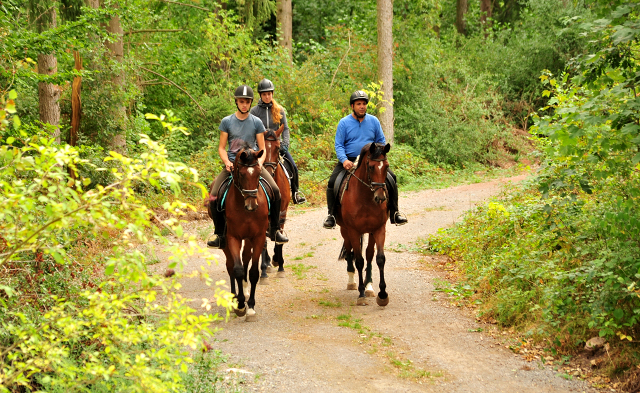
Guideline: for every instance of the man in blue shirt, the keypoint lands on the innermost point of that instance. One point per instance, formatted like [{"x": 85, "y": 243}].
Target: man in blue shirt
[{"x": 354, "y": 132}]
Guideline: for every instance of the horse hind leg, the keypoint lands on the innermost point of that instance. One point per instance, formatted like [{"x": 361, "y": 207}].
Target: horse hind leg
[
  {"x": 279, "y": 259},
  {"x": 246, "y": 258},
  {"x": 265, "y": 265},
  {"x": 347, "y": 253},
  {"x": 368, "y": 290},
  {"x": 359, "y": 261}
]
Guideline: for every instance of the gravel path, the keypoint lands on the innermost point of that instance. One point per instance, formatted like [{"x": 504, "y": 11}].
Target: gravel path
[{"x": 311, "y": 337}]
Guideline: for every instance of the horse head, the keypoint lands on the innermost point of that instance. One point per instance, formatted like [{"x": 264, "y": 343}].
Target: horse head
[
  {"x": 272, "y": 148},
  {"x": 246, "y": 176},
  {"x": 374, "y": 157}
]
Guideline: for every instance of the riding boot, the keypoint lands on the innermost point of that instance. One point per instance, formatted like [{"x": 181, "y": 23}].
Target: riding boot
[
  {"x": 275, "y": 233},
  {"x": 395, "y": 215},
  {"x": 330, "y": 221},
  {"x": 218, "y": 239},
  {"x": 298, "y": 197}
]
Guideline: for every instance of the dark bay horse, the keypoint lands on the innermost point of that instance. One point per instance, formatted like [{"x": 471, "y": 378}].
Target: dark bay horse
[
  {"x": 363, "y": 209},
  {"x": 247, "y": 215},
  {"x": 272, "y": 165}
]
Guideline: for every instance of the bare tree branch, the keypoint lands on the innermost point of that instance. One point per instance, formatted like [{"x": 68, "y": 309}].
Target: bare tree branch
[
  {"x": 176, "y": 85},
  {"x": 186, "y": 5},
  {"x": 153, "y": 31},
  {"x": 339, "y": 64}
]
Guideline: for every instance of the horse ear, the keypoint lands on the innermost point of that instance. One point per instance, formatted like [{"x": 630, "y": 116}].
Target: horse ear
[
  {"x": 279, "y": 131},
  {"x": 372, "y": 148},
  {"x": 387, "y": 147},
  {"x": 259, "y": 154},
  {"x": 243, "y": 156}
]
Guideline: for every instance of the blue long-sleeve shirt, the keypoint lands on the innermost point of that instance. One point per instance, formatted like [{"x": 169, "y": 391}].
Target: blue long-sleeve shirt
[{"x": 352, "y": 135}]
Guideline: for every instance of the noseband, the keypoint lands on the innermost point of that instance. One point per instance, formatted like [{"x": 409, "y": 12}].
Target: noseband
[
  {"x": 372, "y": 185},
  {"x": 245, "y": 193},
  {"x": 270, "y": 165}
]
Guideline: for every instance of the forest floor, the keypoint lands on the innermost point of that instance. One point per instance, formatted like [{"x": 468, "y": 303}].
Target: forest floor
[{"x": 310, "y": 336}]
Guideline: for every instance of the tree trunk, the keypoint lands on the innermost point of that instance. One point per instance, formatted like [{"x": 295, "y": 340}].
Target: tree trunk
[
  {"x": 116, "y": 49},
  {"x": 76, "y": 106},
  {"x": 385, "y": 64},
  {"x": 48, "y": 93},
  {"x": 485, "y": 9},
  {"x": 461, "y": 9},
  {"x": 284, "y": 19}
]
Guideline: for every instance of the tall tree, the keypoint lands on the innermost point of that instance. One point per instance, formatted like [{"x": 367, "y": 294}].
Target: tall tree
[
  {"x": 461, "y": 9},
  {"x": 119, "y": 112},
  {"x": 284, "y": 17},
  {"x": 385, "y": 64},
  {"x": 45, "y": 16},
  {"x": 485, "y": 8}
]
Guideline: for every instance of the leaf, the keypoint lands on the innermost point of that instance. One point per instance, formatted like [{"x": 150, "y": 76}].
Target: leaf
[
  {"x": 109, "y": 269},
  {"x": 636, "y": 159}
]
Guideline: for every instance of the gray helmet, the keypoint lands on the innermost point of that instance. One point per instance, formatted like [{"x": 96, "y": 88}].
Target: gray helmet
[
  {"x": 265, "y": 85},
  {"x": 358, "y": 95},
  {"x": 243, "y": 91}
]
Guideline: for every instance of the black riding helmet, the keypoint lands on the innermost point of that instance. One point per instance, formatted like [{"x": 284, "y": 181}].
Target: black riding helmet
[
  {"x": 358, "y": 95},
  {"x": 243, "y": 91},
  {"x": 265, "y": 85}
]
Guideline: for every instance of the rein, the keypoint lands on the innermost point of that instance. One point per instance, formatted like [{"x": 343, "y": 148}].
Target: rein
[
  {"x": 373, "y": 186},
  {"x": 245, "y": 193}
]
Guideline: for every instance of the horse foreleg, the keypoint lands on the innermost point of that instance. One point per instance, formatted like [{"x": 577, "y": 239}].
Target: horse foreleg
[
  {"x": 246, "y": 258},
  {"x": 383, "y": 296},
  {"x": 236, "y": 271},
  {"x": 368, "y": 290},
  {"x": 254, "y": 276},
  {"x": 277, "y": 257}
]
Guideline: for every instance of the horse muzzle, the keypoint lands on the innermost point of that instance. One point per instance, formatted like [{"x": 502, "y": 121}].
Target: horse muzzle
[{"x": 250, "y": 204}]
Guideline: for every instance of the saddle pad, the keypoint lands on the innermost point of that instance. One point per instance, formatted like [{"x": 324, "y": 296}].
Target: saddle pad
[
  {"x": 340, "y": 186},
  {"x": 224, "y": 189}
]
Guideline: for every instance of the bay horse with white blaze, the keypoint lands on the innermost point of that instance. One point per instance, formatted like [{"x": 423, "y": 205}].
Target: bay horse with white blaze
[
  {"x": 273, "y": 165},
  {"x": 363, "y": 209},
  {"x": 247, "y": 215}
]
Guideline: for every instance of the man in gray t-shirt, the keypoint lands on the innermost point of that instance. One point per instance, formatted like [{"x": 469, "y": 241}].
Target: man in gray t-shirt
[
  {"x": 241, "y": 132},
  {"x": 237, "y": 129}
]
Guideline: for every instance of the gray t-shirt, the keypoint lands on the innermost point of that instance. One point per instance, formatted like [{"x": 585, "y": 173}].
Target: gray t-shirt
[{"x": 241, "y": 131}]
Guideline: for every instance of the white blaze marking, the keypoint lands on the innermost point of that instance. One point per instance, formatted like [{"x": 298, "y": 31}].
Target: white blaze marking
[
  {"x": 250, "y": 171},
  {"x": 380, "y": 165}
]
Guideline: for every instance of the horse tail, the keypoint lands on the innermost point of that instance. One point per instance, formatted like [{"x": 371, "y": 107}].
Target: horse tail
[{"x": 344, "y": 251}]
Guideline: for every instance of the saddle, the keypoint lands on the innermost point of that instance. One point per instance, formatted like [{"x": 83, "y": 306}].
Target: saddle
[
  {"x": 342, "y": 184},
  {"x": 226, "y": 185}
]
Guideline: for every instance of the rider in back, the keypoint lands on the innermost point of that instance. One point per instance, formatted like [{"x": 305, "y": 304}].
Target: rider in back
[
  {"x": 354, "y": 131},
  {"x": 273, "y": 116},
  {"x": 238, "y": 129}
]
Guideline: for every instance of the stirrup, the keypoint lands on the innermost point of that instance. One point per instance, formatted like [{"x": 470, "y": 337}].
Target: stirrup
[
  {"x": 329, "y": 222},
  {"x": 283, "y": 239},
  {"x": 218, "y": 242},
  {"x": 299, "y": 198},
  {"x": 399, "y": 218}
]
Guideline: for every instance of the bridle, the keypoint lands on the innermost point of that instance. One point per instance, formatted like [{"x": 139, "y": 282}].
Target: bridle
[
  {"x": 372, "y": 185},
  {"x": 270, "y": 165},
  {"x": 245, "y": 193}
]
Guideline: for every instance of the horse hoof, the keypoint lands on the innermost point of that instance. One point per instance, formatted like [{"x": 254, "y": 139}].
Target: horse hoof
[
  {"x": 369, "y": 293},
  {"x": 352, "y": 286},
  {"x": 382, "y": 302},
  {"x": 274, "y": 263},
  {"x": 269, "y": 269},
  {"x": 362, "y": 301},
  {"x": 251, "y": 316},
  {"x": 280, "y": 275},
  {"x": 240, "y": 311},
  {"x": 264, "y": 280}
]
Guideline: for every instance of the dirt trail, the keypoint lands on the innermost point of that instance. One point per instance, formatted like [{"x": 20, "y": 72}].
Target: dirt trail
[{"x": 418, "y": 343}]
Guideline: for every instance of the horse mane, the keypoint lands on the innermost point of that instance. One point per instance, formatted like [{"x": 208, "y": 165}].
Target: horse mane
[{"x": 365, "y": 150}]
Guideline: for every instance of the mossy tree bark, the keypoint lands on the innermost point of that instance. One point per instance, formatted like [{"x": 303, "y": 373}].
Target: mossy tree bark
[
  {"x": 385, "y": 64},
  {"x": 284, "y": 19}
]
